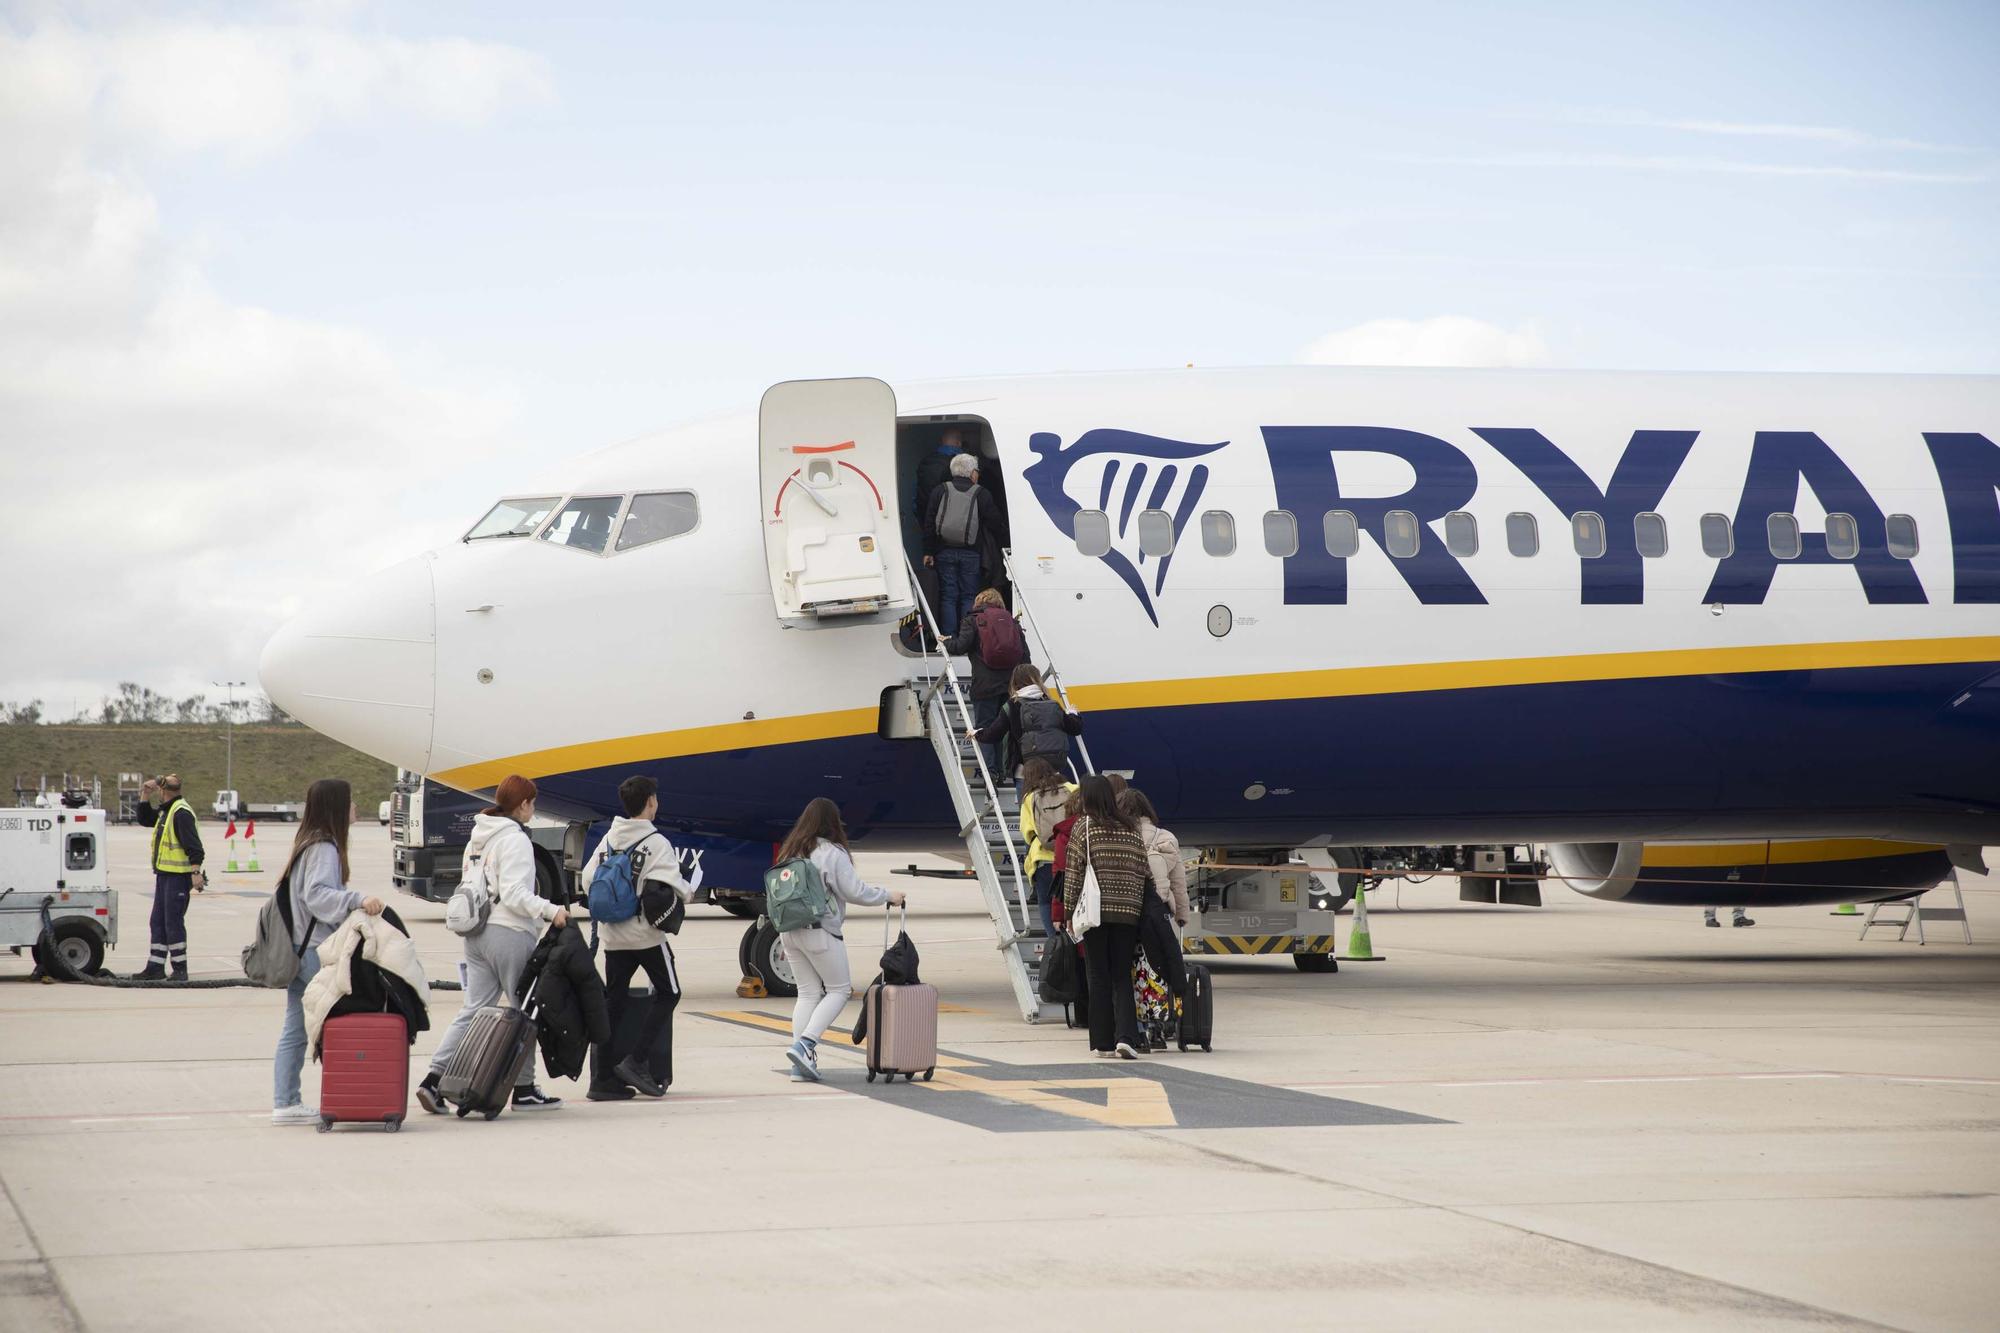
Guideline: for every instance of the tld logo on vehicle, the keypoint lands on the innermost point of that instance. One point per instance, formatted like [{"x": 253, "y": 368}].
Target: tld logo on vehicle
[{"x": 1141, "y": 473}]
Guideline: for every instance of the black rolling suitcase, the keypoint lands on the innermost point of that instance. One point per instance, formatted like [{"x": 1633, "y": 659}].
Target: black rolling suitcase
[
  {"x": 1198, "y": 1010},
  {"x": 497, "y": 1047}
]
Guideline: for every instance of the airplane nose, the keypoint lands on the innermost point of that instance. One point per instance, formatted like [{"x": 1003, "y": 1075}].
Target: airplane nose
[{"x": 361, "y": 665}]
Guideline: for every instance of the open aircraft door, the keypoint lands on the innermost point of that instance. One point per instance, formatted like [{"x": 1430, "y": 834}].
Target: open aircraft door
[{"x": 833, "y": 541}]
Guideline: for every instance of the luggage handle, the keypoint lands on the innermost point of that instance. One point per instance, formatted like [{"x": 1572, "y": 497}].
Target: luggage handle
[{"x": 903, "y": 921}]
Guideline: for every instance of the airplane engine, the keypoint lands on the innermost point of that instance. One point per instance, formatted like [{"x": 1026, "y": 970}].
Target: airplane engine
[{"x": 1773, "y": 873}]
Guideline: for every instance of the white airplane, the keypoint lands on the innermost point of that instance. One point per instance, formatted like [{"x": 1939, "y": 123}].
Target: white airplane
[{"x": 1714, "y": 638}]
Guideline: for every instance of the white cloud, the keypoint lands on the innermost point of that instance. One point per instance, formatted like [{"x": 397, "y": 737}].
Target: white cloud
[
  {"x": 1442, "y": 340},
  {"x": 196, "y": 466},
  {"x": 1832, "y": 136},
  {"x": 1714, "y": 166}
]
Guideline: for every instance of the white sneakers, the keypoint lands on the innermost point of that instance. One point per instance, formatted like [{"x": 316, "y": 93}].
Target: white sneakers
[
  {"x": 805, "y": 1061},
  {"x": 1125, "y": 1051},
  {"x": 295, "y": 1115}
]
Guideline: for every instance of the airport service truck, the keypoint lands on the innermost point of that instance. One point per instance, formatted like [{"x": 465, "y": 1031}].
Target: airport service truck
[
  {"x": 231, "y": 805},
  {"x": 55, "y": 886}
]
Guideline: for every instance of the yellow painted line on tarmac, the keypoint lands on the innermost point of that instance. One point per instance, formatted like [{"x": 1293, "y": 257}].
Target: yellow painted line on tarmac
[{"x": 1130, "y": 1103}]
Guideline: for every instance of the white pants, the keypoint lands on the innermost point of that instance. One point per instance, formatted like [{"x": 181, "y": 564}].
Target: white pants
[{"x": 819, "y": 963}]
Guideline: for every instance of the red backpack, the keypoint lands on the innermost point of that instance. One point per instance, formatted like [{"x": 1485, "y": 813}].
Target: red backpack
[{"x": 1001, "y": 645}]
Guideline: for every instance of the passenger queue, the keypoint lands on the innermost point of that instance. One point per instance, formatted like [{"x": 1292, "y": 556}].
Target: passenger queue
[{"x": 1107, "y": 880}]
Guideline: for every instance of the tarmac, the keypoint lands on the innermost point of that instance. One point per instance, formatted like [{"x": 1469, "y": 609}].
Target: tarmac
[{"x": 1583, "y": 1116}]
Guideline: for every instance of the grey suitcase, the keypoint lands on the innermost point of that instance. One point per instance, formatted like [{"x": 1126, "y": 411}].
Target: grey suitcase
[{"x": 497, "y": 1046}]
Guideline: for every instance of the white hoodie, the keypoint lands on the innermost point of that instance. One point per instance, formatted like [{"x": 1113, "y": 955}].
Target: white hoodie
[
  {"x": 662, "y": 865},
  {"x": 500, "y": 850}
]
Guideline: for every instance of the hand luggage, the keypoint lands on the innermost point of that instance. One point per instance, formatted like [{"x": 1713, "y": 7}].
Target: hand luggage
[
  {"x": 498, "y": 1044},
  {"x": 1154, "y": 1005},
  {"x": 1198, "y": 1010},
  {"x": 365, "y": 1070},
  {"x": 902, "y": 1026}
]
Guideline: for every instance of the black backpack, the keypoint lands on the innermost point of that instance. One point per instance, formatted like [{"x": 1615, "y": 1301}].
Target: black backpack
[{"x": 1042, "y": 734}]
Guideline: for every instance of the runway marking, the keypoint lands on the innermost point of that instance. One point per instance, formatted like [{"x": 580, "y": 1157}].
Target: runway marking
[
  {"x": 1146, "y": 1094},
  {"x": 1645, "y": 1078}
]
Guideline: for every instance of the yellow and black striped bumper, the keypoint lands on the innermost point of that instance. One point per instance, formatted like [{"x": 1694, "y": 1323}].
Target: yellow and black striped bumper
[{"x": 1257, "y": 944}]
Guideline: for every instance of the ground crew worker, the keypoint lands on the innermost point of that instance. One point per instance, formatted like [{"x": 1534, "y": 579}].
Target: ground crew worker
[{"x": 177, "y": 873}]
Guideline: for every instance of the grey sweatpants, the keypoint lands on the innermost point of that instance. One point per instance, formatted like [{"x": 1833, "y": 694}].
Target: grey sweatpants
[{"x": 494, "y": 961}]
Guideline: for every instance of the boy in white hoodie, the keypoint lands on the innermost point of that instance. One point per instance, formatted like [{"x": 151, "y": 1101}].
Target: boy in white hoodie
[
  {"x": 496, "y": 956},
  {"x": 635, "y": 944}
]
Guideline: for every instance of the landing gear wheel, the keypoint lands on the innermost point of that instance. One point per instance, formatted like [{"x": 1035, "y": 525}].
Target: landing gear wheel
[
  {"x": 1315, "y": 962},
  {"x": 747, "y": 911},
  {"x": 760, "y": 954},
  {"x": 77, "y": 945}
]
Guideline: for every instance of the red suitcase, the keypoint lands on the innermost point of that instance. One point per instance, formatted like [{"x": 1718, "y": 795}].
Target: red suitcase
[{"x": 364, "y": 1070}]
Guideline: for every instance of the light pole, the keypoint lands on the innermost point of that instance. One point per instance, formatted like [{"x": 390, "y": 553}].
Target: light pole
[{"x": 229, "y": 744}]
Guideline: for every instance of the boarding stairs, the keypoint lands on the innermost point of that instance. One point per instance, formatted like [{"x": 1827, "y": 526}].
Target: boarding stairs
[{"x": 986, "y": 806}]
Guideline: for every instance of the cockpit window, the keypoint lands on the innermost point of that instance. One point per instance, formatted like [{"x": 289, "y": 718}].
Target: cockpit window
[
  {"x": 656, "y": 516},
  {"x": 585, "y": 523},
  {"x": 513, "y": 518}
]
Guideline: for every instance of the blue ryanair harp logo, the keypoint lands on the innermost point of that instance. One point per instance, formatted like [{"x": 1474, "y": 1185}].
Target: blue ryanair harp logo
[{"x": 1122, "y": 473}]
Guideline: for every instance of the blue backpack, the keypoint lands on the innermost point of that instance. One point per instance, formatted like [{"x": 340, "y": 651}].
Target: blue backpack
[{"x": 614, "y": 889}]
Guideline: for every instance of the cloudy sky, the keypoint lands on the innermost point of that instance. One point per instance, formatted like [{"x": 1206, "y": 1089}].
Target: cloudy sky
[{"x": 290, "y": 290}]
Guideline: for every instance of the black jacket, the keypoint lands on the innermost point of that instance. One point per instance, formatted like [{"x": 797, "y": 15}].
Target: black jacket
[
  {"x": 375, "y": 990},
  {"x": 568, "y": 1008},
  {"x": 987, "y": 682},
  {"x": 1008, "y": 724},
  {"x": 992, "y": 527}
]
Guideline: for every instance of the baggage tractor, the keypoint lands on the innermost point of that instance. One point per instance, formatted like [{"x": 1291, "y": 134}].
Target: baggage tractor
[
  {"x": 1198, "y": 1009},
  {"x": 902, "y": 1031},
  {"x": 498, "y": 1044},
  {"x": 365, "y": 1070}
]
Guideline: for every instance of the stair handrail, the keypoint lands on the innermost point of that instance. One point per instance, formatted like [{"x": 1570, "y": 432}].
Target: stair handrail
[
  {"x": 1050, "y": 675},
  {"x": 926, "y": 634}
]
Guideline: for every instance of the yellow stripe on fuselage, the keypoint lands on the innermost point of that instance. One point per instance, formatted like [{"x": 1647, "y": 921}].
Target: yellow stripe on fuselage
[
  {"x": 1684, "y": 856},
  {"x": 1336, "y": 682}
]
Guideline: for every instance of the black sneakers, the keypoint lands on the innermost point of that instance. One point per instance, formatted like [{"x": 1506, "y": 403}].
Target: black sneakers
[
  {"x": 639, "y": 1078},
  {"x": 534, "y": 1099},
  {"x": 610, "y": 1092},
  {"x": 430, "y": 1098}
]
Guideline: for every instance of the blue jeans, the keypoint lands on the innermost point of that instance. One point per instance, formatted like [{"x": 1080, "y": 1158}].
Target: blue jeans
[
  {"x": 958, "y": 577},
  {"x": 984, "y": 711},
  {"x": 1044, "y": 880},
  {"x": 291, "y": 1058}
]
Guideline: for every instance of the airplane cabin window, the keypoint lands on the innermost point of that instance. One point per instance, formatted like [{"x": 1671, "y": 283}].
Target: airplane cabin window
[
  {"x": 1718, "y": 539},
  {"x": 1093, "y": 533},
  {"x": 1281, "y": 533},
  {"x": 1461, "y": 533},
  {"x": 1342, "y": 533},
  {"x": 1843, "y": 536},
  {"x": 1156, "y": 532},
  {"x": 1649, "y": 534},
  {"x": 1523, "y": 538},
  {"x": 1902, "y": 536},
  {"x": 1218, "y": 532},
  {"x": 1587, "y": 534},
  {"x": 585, "y": 523},
  {"x": 1401, "y": 533},
  {"x": 513, "y": 518},
  {"x": 656, "y": 516},
  {"x": 1782, "y": 532}
]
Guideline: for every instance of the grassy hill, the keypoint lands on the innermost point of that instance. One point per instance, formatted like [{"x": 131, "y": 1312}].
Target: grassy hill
[{"x": 273, "y": 763}]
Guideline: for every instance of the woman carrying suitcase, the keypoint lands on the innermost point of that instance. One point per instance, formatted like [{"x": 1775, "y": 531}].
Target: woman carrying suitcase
[
  {"x": 1105, "y": 842},
  {"x": 497, "y": 954},
  {"x": 818, "y": 953},
  {"x": 316, "y": 876}
]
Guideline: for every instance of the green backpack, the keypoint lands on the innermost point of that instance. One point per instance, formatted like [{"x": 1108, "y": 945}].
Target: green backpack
[{"x": 795, "y": 896}]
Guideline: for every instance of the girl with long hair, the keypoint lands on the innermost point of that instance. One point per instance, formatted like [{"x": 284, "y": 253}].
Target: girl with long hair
[
  {"x": 315, "y": 876},
  {"x": 1105, "y": 841},
  {"x": 1043, "y": 796},
  {"x": 818, "y": 953}
]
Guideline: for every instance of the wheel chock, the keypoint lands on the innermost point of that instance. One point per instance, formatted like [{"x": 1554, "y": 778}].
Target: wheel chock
[{"x": 751, "y": 988}]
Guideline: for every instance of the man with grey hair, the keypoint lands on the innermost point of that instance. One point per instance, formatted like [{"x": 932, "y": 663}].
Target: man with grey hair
[{"x": 962, "y": 520}]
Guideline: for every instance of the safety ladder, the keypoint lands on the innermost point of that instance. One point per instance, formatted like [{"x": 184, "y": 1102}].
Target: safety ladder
[
  {"x": 1915, "y": 914},
  {"x": 988, "y": 811}
]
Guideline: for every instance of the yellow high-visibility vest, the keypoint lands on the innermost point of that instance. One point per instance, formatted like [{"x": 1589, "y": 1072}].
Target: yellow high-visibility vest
[{"x": 168, "y": 854}]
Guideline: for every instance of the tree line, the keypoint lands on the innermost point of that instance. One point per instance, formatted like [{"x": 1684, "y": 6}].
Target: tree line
[{"x": 136, "y": 704}]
